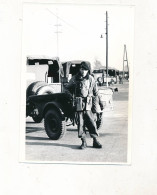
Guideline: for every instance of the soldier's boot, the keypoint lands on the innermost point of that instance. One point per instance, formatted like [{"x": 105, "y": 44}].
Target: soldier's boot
[
  {"x": 84, "y": 143},
  {"x": 96, "y": 143}
]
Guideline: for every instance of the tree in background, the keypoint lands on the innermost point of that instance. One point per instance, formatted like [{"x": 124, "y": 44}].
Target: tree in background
[{"x": 97, "y": 64}]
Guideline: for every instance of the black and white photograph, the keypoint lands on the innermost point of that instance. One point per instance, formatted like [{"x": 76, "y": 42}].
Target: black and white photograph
[
  {"x": 78, "y": 97},
  {"x": 77, "y": 86}
]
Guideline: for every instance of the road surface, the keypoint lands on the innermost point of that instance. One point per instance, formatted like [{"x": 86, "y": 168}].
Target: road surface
[{"x": 113, "y": 137}]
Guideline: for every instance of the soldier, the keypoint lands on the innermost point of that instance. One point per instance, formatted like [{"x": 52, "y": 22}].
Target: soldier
[{"x": 84, "y": 87}]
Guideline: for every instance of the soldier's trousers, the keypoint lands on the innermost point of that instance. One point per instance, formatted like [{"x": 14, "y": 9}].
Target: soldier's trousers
[{"x": 86, "y": 119}]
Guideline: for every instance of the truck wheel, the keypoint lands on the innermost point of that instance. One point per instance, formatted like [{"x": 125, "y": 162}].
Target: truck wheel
[
  {"x": 54, "y": 125},
  {"x": 45, "y": 90},
  {"x": 37, "y": 119},
  {"x": 33, "y": 87},
  {"x": 99, "y": 120}
]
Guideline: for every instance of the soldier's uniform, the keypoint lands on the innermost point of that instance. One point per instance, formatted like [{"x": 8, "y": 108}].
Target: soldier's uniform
[{"x": 84, "y": 88}]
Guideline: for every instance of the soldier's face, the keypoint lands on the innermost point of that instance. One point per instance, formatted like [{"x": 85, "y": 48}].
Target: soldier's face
[{"x": 83, "y": 72}]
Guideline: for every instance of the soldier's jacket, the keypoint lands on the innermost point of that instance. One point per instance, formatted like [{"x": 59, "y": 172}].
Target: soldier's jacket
[{"x": 83, "y": 87}]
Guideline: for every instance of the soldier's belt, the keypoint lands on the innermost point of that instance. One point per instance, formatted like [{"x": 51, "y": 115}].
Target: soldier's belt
[{"x": 86, "y": 100}]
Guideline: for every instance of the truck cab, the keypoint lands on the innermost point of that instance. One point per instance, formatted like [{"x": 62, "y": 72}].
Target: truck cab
[{"x": 44, "y": 69}]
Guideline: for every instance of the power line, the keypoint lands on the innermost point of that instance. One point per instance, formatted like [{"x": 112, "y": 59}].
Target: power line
[
  {"x": 62, "y": 20},
  {"x": 57, "y": 25}
]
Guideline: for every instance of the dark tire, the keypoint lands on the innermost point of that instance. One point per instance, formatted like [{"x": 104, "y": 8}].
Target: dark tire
[
  {"x": 37, "y": 119},
  {"x": 54, "y": 125},
  {"x": 44, "y": 90},
  {"x": 33, "y": 87},
  {"x": 99, "y": 121}
]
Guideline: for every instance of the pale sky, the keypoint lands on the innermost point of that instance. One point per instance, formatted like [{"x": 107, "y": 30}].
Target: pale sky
[{"x": 80, "y": 27}]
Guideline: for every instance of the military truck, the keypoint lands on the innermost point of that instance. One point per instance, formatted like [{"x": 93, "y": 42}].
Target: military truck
[
  {"x": 46, "y": 98},
  {"x": 100, "y": 76}
]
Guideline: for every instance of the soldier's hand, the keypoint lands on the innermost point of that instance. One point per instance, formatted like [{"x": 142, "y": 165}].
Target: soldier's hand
[
  {"x": 69, "y": 95},
  {"x": 102, "y": 106}
]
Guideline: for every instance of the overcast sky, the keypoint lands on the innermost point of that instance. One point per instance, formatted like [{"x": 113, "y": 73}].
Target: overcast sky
[{"x": 80, "y": 27}]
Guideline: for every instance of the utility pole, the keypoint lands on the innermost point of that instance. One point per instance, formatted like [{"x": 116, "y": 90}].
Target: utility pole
[
  {"x": 106, "y": 49},
  {"x": 125, "y": 59},
  {"x": 57, "y": 33},
  {"x": 58, "y": 25}
]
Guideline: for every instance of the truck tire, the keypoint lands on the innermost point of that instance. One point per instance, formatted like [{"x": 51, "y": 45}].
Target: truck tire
[
  {"x": 33, "y": 87},
  {"x": 37, "y": 119},
  {"x": 54, "y": 124},
  {"x": 44, "y": 90},
  {"x": 99, "y": 120}
]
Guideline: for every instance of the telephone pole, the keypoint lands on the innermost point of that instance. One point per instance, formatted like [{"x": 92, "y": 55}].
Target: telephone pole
[
  {"x": 57, "y": 32},
  {"x": 57, "y": 25},
  {"x": 106, "y": 50},
  {"x": 125, "y": 59}
]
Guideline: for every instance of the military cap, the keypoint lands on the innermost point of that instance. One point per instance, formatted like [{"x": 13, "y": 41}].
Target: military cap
[{"x": 85, "y": 66}]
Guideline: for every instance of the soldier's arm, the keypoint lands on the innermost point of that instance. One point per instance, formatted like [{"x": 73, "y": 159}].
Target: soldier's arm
[
  {"x": 101, "y": 102},
  {"x": 96, "y": 93},
  {"x": 95, "y": 88},
  {"x": 70, "y": 87}
]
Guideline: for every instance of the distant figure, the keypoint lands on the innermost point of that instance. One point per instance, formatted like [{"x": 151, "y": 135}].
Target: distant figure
[{"x": 120, "y": 79}]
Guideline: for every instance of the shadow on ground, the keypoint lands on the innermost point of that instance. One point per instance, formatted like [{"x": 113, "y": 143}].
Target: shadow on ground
[
  {"x": 53, "y": 144},
  {"x": 110, "y": 134},
  {"x": 71, "y": 130},
  {"x": 33, "y": 129},
  {"x": 36, "y": 138}
]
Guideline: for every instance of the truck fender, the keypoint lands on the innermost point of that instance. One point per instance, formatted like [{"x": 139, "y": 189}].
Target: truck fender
[{"x": 53, "y": 105}]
